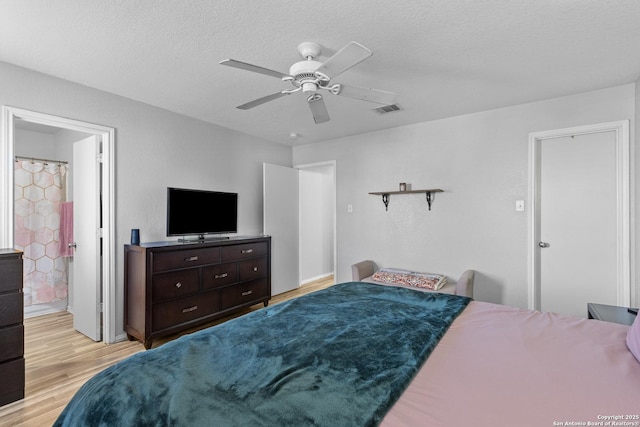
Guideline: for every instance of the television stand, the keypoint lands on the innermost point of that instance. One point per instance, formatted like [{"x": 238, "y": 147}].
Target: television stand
[{"x": 171, "y": 287}]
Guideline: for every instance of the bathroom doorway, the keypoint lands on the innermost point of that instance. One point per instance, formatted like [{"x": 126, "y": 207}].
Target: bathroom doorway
[
  {"x": 42, "y": 171},
  {"x": 17, "y": 122}
]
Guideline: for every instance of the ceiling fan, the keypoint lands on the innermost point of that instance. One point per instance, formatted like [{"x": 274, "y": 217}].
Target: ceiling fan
[{"x": 310, "y": 77}]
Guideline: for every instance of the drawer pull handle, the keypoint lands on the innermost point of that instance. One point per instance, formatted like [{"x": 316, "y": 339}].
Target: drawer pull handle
[
  {"x": 190, "y": 309},
  {"x": 246, "y": 251},
  {"x": 244, "y": 294},
  {"x": 178, "y": 285},
  {"x": 220, "y": 276},
  {"x": 191, "y": 258},
  {"x": 255, "y": 268}
]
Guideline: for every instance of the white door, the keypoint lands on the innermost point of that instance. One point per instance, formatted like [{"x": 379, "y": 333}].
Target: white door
[
  {"x": 578, "y": 222},
  {"x": 86, "y": 289},
  {"x": 281, "y": 222}
]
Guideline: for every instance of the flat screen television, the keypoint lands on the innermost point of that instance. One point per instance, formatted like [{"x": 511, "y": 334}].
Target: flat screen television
[{"x": 201, "y": 212}]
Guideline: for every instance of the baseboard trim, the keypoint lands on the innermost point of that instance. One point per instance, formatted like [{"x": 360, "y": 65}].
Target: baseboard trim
[
  {"x": 316, "y": 278},
  {"x": 36, "y": 310}
]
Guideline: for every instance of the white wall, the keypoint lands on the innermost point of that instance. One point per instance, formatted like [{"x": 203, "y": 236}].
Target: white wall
[
  {"x": 480, "y": 161},
  {"x": 35, "y": 144},
  {"x": 154, "y": 149}
]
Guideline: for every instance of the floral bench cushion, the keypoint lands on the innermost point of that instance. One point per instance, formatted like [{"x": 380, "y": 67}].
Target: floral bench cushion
[{"x": 408, "y": 278}]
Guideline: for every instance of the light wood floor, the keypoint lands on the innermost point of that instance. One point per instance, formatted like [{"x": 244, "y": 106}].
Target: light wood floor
[{"x": 59, "y": 360}]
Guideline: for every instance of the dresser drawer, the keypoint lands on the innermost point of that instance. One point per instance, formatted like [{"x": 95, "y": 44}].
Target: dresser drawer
[
  {"x": 185, "y": 258},
  {"x": 12, "y": 374},
  {"x": 252, "y": 269},
  {"x": 214, "y": 276},
  {"x": 175, "y": 284},
  {"x": 10, "y": 308},
  {"x": 244, "y": 293},
  {"x": 173, "y": 313},
  {"x": 12, "y": 339},
  {"x": 11, "y": 279},
  {"x": 244, "y": 251}
]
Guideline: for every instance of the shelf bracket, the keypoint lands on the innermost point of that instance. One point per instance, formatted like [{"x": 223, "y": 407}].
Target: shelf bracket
[
  {"x": 385, "y": 200},
  {"x": 429, "y": 199}
]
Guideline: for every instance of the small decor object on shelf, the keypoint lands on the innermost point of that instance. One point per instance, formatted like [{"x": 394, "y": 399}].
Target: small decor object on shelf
[{"x": 403, "y": 186}]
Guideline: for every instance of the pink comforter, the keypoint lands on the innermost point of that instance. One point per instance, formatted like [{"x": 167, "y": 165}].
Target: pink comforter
[{"x": 503, "y": 366}]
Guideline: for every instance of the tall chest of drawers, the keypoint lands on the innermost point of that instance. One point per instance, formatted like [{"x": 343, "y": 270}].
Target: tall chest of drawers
[
  {"x": 11, "y": 327},
  {"x": 172, "y": 286}
]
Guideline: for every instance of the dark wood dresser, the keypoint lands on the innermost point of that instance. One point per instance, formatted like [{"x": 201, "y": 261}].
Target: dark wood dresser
[
  {"x": 172, "y": 286},
  {"x": 11, "y": 327}
]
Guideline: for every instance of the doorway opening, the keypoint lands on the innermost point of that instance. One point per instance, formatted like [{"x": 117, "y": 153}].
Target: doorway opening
[
  {"x": 14, "y": 120},
  {"x": 317, "y": 221},
  {"x": 43, "y": 169},
  {"x": 621, "y": 200},
  {"x": 300, "y": 215}
]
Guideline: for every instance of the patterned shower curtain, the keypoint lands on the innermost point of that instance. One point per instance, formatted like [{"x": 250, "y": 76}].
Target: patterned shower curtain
[{"x": 40, "y": 189}]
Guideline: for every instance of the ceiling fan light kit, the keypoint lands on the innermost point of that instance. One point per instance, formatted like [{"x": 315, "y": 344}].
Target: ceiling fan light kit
[{"x": 309, "y": 76}]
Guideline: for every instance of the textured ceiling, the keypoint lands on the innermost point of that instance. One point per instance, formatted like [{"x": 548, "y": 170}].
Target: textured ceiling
[{"x": 442, "y": 58}]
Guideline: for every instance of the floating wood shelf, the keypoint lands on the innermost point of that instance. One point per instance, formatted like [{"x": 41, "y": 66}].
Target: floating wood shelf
[{"x": 385, "y": 195}]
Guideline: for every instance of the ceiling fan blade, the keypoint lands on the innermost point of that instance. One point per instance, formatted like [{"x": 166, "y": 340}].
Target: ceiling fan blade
[
  {"x": 318, "y": 109},
  {"x": 261, "y": 101},
  {"x": 368, "y": 94},
  {"x": 254, "y": 68},
  {"x": 350, "y": 55}
]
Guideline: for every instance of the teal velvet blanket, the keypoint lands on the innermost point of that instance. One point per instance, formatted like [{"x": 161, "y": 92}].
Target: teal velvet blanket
[{"x": 338, "y": 357}]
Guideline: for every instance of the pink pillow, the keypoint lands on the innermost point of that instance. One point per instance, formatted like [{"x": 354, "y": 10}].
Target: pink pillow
[{"x": 633, "y": 338}]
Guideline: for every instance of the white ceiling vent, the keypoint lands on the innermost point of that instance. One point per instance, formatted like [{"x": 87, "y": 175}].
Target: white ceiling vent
[{"x": 387, "y": 109}]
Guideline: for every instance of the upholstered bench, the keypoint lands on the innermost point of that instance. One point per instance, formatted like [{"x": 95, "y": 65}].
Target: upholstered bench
[{"x": 364, "y": 271}]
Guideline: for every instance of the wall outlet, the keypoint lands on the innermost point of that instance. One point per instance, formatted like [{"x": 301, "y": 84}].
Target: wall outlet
[{"x": 350, "y": 208}]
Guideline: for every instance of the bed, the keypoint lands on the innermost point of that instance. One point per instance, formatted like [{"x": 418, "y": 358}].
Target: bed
[{"x": 367, "y": 354}]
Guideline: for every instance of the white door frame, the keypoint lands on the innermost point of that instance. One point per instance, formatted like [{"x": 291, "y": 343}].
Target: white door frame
[
  {"x": 623, "y": 208},
  {"x": 9, "y": 115}
]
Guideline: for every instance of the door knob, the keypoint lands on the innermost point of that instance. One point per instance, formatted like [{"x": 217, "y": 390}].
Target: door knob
[{"x": 543, "y": 244}]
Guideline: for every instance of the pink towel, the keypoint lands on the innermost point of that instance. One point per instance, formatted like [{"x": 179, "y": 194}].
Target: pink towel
[{"x": 66, "y": 228}]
